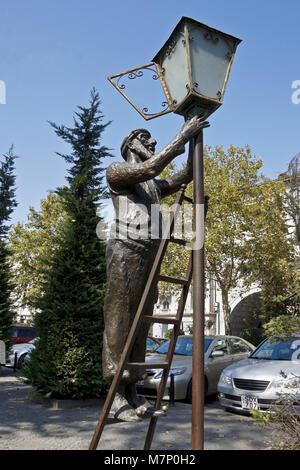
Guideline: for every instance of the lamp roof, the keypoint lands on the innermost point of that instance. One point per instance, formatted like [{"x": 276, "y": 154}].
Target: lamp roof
[{"x": 196, "y": 23}]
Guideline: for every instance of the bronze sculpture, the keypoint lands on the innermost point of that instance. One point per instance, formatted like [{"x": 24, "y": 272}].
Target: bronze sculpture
[{"x": 131, "y": 252}]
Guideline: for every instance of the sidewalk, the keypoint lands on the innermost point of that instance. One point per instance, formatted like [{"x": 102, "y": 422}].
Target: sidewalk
[{"x": 28, "y": 425}]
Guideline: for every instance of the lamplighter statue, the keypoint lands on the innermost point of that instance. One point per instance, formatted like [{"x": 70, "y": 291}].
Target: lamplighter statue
[{"x": 131, "y": 253}]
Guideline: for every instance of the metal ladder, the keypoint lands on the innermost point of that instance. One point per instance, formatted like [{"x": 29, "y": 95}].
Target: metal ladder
[{"x": 124, "y": 363}]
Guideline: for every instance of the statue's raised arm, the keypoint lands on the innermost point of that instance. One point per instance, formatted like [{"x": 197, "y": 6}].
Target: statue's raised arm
[{"x": 141, "y": 162}]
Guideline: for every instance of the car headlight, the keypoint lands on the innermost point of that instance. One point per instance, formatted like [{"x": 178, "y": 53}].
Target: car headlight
[
  {"x": 173, "y": 370},
  {"x": 225, "y": 379},
  {"x": 12, "y": 356}
]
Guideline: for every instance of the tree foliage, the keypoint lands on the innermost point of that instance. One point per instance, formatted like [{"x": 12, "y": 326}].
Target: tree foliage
[
  {"x": 7, "y": 205},
  {"x": 282, "y": 325},
  {"x": 33, "y": 242},
  {"x": 246, "y": 234},
  {"x": 292, "y": 196}
]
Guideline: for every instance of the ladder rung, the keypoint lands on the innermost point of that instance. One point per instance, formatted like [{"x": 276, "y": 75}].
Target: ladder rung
[
  {"x": 173, "y": 280},
  {"x": 146, "y": 365},
  {"x": 152, "y": 411},
  {"x": 188, "y": 199},
  {"x": 172, "y": 321},
  {"x": 179, "y": 241}
]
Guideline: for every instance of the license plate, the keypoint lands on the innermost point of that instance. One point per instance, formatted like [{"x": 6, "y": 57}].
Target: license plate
[
  {"x": 249, "y": 403},
  {"x": 140, "y": 383}
]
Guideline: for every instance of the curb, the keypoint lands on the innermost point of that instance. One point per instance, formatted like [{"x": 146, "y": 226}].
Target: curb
[{"x": 57, "y": 404}]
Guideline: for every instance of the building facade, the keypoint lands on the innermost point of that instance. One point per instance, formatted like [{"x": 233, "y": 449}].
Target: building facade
[{"x": 244, "y": 312}]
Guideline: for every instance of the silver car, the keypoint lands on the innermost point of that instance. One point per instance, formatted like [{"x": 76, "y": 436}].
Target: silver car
[
  {"x": 271, "y": 372},
  {"x": 220, "y": 352},
  {"x": 19, "y": 352}
]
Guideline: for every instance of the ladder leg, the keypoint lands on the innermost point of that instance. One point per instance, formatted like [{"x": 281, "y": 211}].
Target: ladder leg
[
  {"x": 163, "y": 381},
  {"x": 105, "y": 411}
]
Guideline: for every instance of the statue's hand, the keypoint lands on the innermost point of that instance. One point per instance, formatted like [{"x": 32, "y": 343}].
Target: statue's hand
[{"x": 193, "y": 126}]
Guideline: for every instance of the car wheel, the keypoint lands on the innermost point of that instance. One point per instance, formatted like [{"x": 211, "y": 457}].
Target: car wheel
[
  {"x": 189, "y": 391},
  {"x": 21, "y": 361}
]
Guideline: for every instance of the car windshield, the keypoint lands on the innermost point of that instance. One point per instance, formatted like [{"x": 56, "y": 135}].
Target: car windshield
[
  {"x": 184, "y": 346},
  {"x": 151, "y": 345},
  {"x": 279, "y": 348},
  {"x": 19, "y": 332}
]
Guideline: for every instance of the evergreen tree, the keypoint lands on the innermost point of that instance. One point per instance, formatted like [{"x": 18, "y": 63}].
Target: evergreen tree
[
  {"x": 7, "y": 205},
  {"x": 67, "y": 360}
]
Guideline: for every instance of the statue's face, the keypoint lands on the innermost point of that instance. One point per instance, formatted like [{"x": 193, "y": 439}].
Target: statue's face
[{"x": 144, "y": 145}]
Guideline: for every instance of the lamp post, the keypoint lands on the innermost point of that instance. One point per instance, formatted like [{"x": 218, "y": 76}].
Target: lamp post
[{"x": 193, "y": 67}]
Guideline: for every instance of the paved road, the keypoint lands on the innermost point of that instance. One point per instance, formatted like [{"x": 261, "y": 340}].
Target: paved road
[{"x": 27, "y": 425}]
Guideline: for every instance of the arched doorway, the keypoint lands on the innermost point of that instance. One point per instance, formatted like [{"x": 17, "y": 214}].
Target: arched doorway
[{"x": 246, "y": 314}]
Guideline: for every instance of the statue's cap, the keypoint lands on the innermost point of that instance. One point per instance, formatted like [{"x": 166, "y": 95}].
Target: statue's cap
[{"x": 128, "y": 139}]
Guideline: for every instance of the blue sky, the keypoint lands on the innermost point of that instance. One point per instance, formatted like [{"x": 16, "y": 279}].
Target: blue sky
[{"x": 53, "y": 53}]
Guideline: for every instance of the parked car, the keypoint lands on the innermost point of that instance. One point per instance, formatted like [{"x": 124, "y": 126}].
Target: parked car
[
  {"x": 220, "y": 351},
  {"x": 270, "y": 372},
  {"x": 22, "y": 334},
  {"x": 23, "y": 351},
  {"x": 19, "y": 352},
  {"x": 152, "y": 343},
  {"x": 2, "y": 353},
  {"x": 163, "y": 340}
]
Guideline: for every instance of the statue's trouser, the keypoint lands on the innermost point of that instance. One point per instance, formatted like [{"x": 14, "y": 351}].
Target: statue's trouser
[{"x": 128, "y": 270}]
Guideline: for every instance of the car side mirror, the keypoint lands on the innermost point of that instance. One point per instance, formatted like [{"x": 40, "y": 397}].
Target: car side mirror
[{"x": 217, "y": 354}]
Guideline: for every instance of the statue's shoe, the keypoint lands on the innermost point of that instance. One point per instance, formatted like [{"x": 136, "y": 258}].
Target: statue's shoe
[
  {"x": 139, "y": 403},
  {"x": 123, "y": 410}
]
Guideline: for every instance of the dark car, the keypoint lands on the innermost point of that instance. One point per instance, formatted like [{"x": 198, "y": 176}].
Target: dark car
[{"x": 22, "y": 334}]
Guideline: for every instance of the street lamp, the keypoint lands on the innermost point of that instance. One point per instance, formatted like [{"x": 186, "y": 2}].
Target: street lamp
[
  {"x": 193, "y": 67},
  {"x": 195, "y": 63}
]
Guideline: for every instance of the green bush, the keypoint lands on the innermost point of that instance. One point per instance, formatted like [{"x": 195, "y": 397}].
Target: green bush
[
  {"x": 254, "y": 335},
  {"x": 66, "y": 362},
  {"x": 283, "y": 324},
  {"x": 168, "y": 333}
]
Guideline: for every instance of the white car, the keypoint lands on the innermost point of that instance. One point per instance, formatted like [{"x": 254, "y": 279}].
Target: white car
[
  {"x": 270, "y": 374},
  {"x": 18, "y": 352},
  {"x": 2, "y": 353}
]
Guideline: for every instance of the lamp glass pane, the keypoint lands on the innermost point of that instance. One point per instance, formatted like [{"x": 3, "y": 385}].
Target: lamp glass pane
[
  {"x": 174, "y": 63},
  {"x": 210, "y": 58}
]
